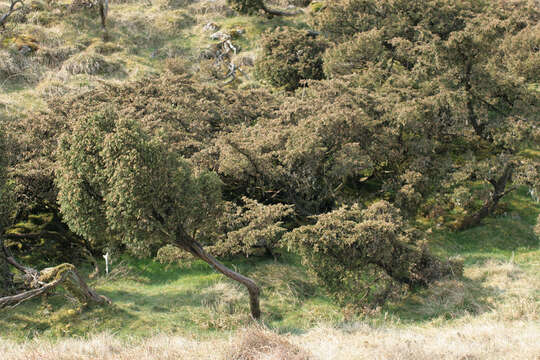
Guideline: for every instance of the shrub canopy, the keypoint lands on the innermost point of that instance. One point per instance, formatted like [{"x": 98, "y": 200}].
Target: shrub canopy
[
  {"x": 360, "y": 255},
  {"x": 289, "y": 56}
]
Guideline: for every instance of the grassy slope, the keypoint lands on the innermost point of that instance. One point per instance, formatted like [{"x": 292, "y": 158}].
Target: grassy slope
[
  {"x": 142, "y": 36},
  {"x": 501, "y": 283}
]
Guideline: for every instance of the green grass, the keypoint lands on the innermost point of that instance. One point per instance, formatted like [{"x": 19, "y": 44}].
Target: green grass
[
  {"x": 502, "y": 260},
  {"x": 151, "y": 297}
]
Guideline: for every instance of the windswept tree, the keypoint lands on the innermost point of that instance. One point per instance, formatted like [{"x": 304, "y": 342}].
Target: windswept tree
[{"x": 116, "y": 183}]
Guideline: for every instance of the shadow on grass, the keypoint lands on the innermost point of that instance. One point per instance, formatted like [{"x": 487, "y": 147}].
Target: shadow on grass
[
  {"x": 496, "y": 237},
  {"x": 445, "y": 300}
]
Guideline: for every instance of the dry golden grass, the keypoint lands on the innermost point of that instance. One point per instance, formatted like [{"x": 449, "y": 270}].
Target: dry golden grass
[
  {"x": 471, "y": 340},
  {"x": 475, "y": 340}
]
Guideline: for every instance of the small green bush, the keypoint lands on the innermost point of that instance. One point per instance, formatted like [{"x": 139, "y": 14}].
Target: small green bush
[
  {"x": 363, "y": 257},
  {"x": 289, "y": 56}
]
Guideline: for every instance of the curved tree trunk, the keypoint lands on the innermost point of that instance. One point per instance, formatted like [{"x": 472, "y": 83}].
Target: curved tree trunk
[
  {"x": 251, "y": 286},
  {"x": 499, "y": 191},
  {"x": 189, "y": 244}
]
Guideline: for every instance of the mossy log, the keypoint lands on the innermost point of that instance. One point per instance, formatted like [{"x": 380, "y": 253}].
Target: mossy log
[
  {"x": 65, "y": 275},
  {"x": 73, "y": 283}
]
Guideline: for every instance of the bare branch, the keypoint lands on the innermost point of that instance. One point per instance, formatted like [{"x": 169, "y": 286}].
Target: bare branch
[{"x": 11, "y": 10}]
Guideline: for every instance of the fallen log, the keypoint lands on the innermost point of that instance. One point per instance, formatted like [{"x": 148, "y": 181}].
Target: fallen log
[{"x": 41, "y": 282}]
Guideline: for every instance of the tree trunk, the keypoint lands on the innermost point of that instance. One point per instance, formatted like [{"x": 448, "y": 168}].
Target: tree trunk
[
  {"x": 489, "y": 206},
  {"x": 472, "y": 117},
  {"x": 103, "y": 11},
  {"x": 186, "y": 242}
]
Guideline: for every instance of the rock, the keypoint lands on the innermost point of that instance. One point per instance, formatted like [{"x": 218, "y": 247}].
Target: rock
[{"x": 25, "y": 49}]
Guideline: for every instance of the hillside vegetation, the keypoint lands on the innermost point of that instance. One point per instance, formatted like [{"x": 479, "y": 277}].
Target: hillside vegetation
[
  {"x": 278, "y": 179},
  {"x": 189, "y": 311}
]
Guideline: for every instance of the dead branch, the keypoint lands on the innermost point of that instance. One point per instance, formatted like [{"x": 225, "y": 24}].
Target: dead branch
[
  {"x": 12, "y": 301},
  {"x": 231, "y": 75},
  {"x": 11, "y": 10}
]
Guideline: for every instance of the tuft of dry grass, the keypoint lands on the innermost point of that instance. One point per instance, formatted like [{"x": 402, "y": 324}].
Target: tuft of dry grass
[
  {"x": 223, "y": 307},
  {"x": 257, "y": 343},
  {"x": 54, "y": 57},
  {"x": 90, "y": 63}
]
